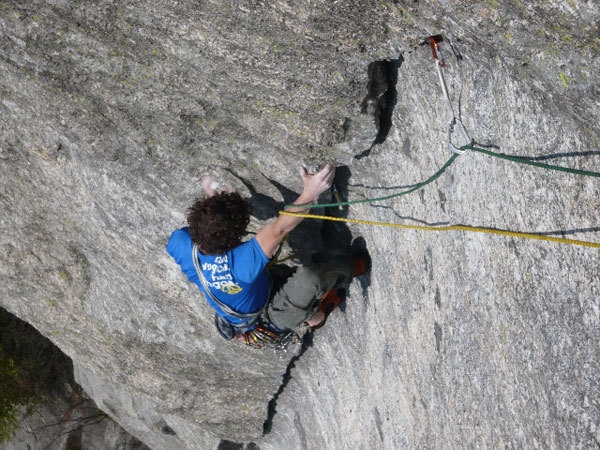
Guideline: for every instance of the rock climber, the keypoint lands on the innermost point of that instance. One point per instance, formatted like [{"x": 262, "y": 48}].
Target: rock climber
[{"x": 233, "y": 275}]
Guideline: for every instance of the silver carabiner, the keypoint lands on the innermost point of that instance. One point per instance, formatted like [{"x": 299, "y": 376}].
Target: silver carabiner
[
  {"x": 439, "y": 63},
  {"x": 461, "y": 128}
]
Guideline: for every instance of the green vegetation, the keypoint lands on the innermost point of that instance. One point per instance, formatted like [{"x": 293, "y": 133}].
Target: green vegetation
[
  {"x": 566, "y": 80},
  {"x": 30, "y": 367},
  {"x": 12, "y": 395}
]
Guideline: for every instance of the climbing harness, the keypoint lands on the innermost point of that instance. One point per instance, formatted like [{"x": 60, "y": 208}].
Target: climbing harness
[
  {"x": 248, "y": 318},
  {"x": 253, "y": 331},
  {"x": 454, "y": 122},
  {"x": 263, "y": 337}
]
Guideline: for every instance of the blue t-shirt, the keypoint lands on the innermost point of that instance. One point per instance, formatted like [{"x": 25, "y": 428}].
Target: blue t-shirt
[{"x": 237, "y": 278}]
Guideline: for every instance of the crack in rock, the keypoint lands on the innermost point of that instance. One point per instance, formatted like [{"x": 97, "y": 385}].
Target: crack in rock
[{"x": 307, "y": 342}]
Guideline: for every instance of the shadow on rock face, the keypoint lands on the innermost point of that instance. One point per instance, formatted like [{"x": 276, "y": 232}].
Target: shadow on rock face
[
  {"x": 310, "y": 236},
  {"x": 381, "y": 98},
  {"x": 263, "y": 206},
  {"x": 310, "y": 241},
  {"x": 228, "y": 445}
]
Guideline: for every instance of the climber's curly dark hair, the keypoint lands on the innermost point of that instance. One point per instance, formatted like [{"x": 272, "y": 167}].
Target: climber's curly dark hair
[{"x": 218, "y": 223}]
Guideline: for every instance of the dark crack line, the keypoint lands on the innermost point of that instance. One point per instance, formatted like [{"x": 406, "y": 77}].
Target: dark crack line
[
  {"x": 307, "y": 342},
  {"x": 412, "y": 219}
]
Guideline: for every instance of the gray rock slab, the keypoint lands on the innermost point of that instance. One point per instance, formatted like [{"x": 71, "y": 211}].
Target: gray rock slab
[{"x": 111, "y": 113}]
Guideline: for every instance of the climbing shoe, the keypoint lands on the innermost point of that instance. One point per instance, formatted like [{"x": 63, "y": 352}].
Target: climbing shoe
[
  {"x": 362, "y": 263},
  {"x": 331, "y": 300},
  {"x": 224, "y": 328},
  {"x": 360, "y": 256}
]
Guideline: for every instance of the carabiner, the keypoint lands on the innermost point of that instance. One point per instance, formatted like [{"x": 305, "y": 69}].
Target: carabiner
[
  {"x": 436, "y": 51},
  {"x": 453, "y": 122},
  {"x": 461, "y": 128}
]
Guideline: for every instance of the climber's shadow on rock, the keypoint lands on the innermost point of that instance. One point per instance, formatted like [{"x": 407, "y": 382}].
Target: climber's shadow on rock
[
  {"x": 314, "y": 240},
  {"x": 263, "y": 206},
  {"x": 314, "y": 236},
  {"x": 303, "y": 240},
  {"x": 310, "y": 240},
  {"x": 330, "y": 237}
]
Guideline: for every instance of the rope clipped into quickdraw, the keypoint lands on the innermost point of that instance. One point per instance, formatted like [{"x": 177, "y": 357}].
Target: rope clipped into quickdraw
[
  {"x": 516, "y": 159},
  {"x": 454, "y": 122}
]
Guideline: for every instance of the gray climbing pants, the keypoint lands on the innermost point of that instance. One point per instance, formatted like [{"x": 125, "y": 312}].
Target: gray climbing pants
[{"x": 296, "y": 292}]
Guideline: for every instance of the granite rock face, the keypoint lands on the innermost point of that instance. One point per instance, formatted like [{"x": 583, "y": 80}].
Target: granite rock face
[{"x": 111, "y": 113}]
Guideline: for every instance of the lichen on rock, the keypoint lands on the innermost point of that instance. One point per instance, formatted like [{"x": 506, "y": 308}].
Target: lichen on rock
[{"x": 111, "y": 113}]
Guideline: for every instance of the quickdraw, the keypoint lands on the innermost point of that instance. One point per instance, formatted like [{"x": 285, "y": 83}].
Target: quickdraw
[
  {"x": 260, "y": 337},
  {"x": 454, "y": 122}
]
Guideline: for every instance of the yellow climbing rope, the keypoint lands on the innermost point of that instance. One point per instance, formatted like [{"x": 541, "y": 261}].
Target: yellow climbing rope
[{"x": 517, "y": 234}]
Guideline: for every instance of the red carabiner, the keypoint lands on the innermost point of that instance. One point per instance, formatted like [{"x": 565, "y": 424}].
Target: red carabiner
[{"x": 435, "y": 49}]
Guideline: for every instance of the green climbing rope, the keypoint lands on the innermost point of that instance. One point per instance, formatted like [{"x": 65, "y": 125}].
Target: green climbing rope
[
  {"x": 435, "y": 176},
  {"x": 417, "y": 186},
  {"x": 522, "y": 160}
]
